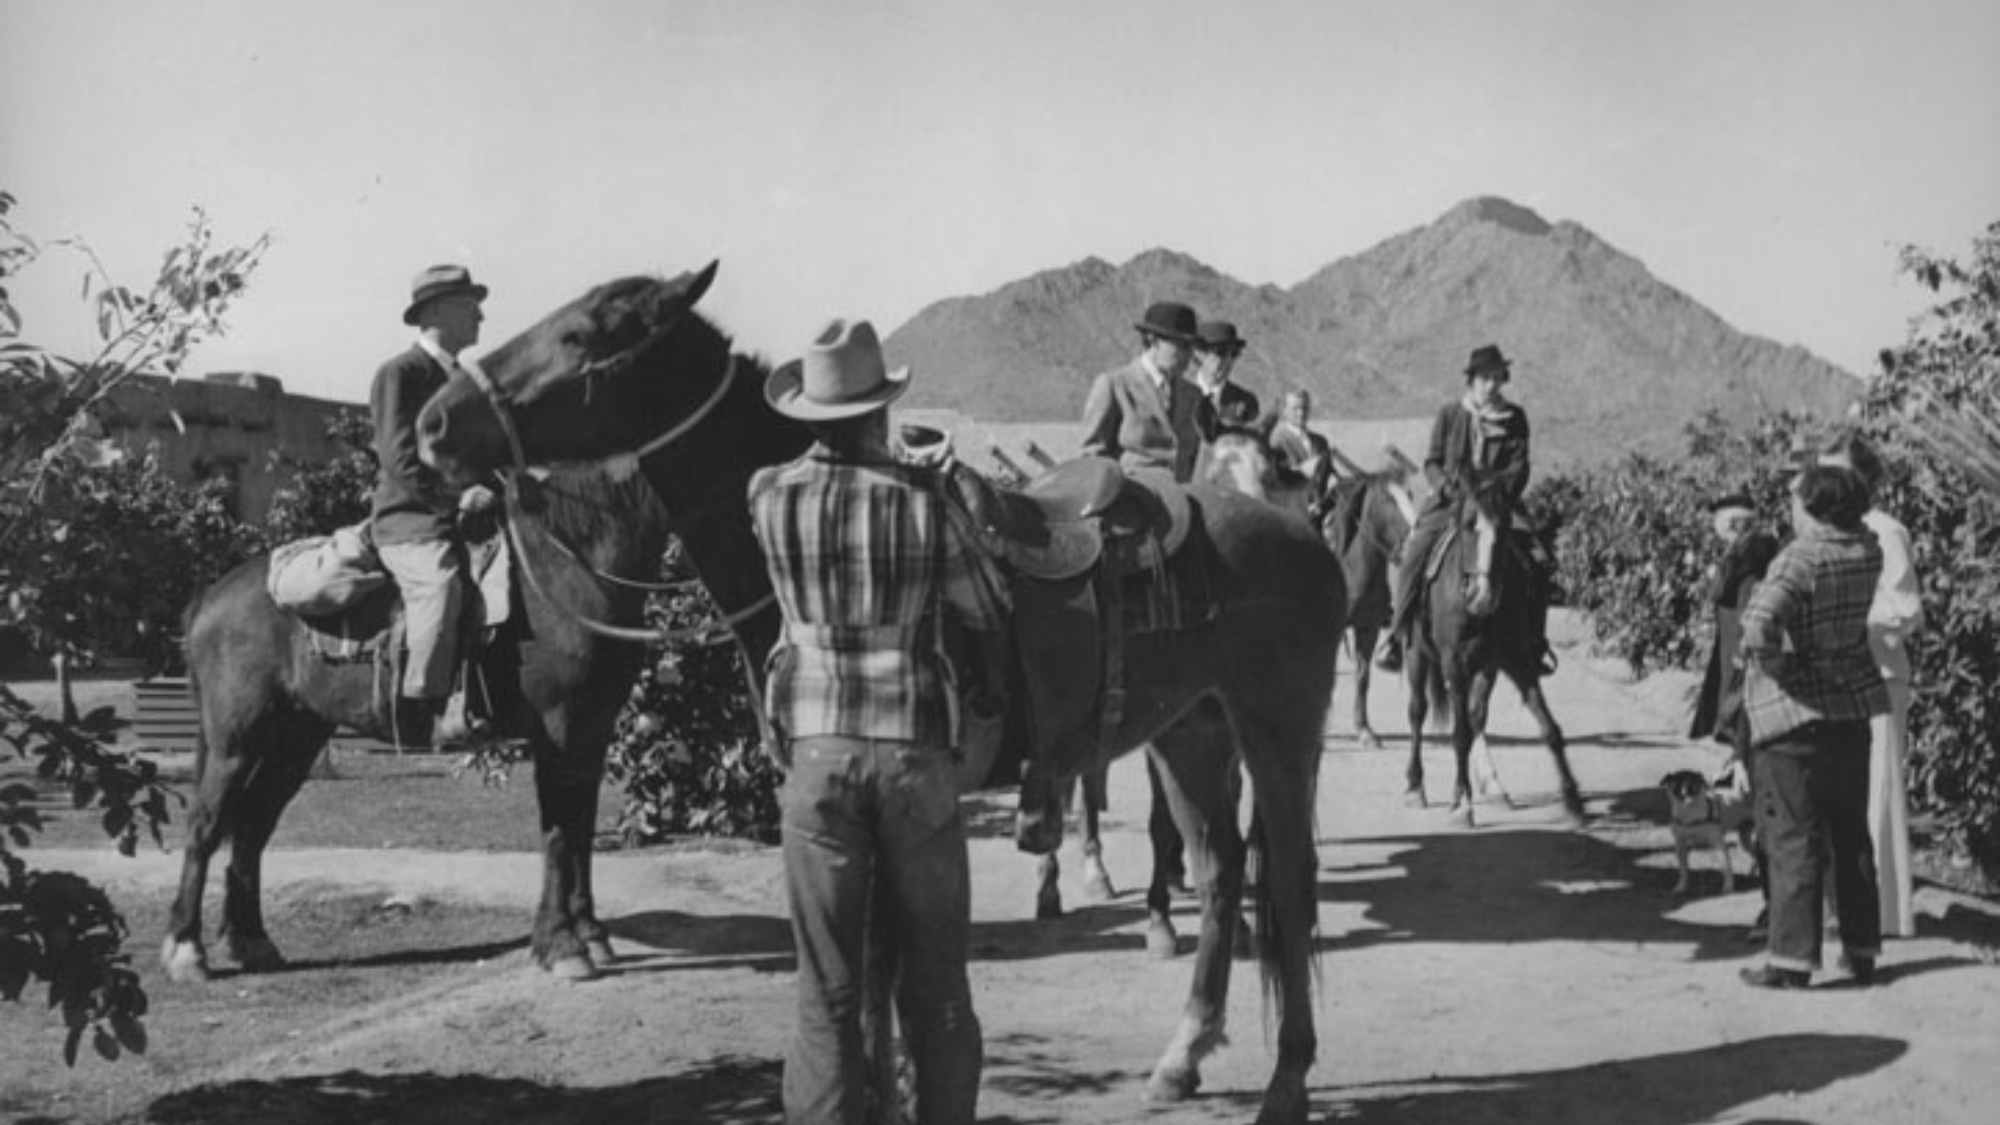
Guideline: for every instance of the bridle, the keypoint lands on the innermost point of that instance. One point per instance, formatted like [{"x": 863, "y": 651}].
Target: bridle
[{"x": 618, "y": 466}]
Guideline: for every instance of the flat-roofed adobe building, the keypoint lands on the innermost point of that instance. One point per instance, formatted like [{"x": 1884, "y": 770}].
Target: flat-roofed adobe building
[{"x": 230, "y": 424}]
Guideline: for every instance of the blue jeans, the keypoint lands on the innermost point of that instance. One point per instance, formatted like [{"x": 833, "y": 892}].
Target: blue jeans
[{"x": 872, "y": 817}]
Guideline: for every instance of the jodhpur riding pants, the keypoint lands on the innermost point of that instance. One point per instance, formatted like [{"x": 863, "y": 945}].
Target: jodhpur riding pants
[
  {"x": 1412, "y": 559},
  {"x": 877, "y": 817},
  {"x": 1811, "y": 790},
  {"x": 427, "y": 571}
]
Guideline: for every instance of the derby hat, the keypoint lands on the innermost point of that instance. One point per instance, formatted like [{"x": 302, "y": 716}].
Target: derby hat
[
  {"x": 1219, "y": 336},
  {"x": 840, "y": 376},
  {"x": 1169, "y": 319},
  {"x": 1731, "y": 500},
  {"x": 440, "y": 281},
  {"x": 1487, "y": 358}
]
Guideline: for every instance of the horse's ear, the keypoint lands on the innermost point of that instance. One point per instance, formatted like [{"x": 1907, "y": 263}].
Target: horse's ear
[{"x": 698, "y": 284}]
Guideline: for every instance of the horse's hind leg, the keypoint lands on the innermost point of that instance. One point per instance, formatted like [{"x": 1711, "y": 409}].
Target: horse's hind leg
[
  {"x": 291, "y": 750},
  {"x": 1169, "y": 863},
  {"x": 1419, "y": 667},
  {"x": 1048, "y": 868},
  {"x": 1196, "y": 758},
  {"x": 1485, "y": 769},
  {"x": 218, "y": 792},
  {"x": 1096, "y": 880},
  {"x": 1364, "y": 662},
  {"x": 1552, "y": 733}
]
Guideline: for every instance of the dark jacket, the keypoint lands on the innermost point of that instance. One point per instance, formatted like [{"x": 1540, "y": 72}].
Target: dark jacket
[
  {"x": 1497, "y": 473},
  {"x": 1232, "y": 408},
  {"x": 412, "y": 502},
  {"x": 1719, "y": 706}
]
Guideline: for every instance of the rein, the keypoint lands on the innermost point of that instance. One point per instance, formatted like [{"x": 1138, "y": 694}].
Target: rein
[{"x": 619, "y": 466}]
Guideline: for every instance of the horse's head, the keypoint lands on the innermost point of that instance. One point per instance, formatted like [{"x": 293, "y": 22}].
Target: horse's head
[{"x": 600, "y": 376}]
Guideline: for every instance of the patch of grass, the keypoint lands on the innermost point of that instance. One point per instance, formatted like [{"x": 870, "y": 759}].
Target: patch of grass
[
  {"x": 362, "y": 953},
  {"x": 371, "y": 801}
]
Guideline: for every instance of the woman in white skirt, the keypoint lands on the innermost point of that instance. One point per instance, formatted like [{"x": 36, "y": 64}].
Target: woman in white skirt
[{"x": 1896, "y": 612}]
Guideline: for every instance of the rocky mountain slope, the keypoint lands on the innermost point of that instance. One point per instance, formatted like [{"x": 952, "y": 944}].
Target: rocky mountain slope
[{"x": 1607, "y": 357}]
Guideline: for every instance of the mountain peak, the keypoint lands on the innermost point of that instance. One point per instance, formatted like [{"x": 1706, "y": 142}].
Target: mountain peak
[
  {"x": 1501, "y": 212},
  {"x": 1162, "y": 258}
]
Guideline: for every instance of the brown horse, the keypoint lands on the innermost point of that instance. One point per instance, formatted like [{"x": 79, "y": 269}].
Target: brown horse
[
  {"x": 1470, "y": 646},
  {"x": 268, "y": 703},
  {"x": 603, "y": 376}
]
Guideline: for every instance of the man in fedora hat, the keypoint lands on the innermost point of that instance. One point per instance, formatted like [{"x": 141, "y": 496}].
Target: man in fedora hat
[
  {"x": 1144, "y": 414},
  {"x": 1478, "y": 448},
  {"x": 414, "y": 511},
  {"x": 865, "y": 562},
  {"x": 1224, "y": 405}
]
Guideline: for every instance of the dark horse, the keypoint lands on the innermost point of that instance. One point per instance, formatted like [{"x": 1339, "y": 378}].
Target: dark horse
[
  {"x": 607, "y": 373},
  {"x": 1365, "y": 525},
  {"x": 268, "y": 704},
  {"x": 1470, "y": 645}
]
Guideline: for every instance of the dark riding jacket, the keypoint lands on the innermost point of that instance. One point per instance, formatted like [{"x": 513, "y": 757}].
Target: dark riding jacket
[
  {"x": 412, "y": 502},
  {"x": 1488, "y": 454}
]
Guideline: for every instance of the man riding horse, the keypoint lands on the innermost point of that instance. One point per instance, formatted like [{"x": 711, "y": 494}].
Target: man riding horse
[{"x": 1478, "y": 454}]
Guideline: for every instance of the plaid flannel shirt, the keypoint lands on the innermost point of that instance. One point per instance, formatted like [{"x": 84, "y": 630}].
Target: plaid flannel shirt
[
  {"x": 1815, "y": 596},
  {"x": 862, "y": 557}
]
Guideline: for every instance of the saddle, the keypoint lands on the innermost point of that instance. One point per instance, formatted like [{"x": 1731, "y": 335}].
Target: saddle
[{"x": 1090, "y": 554}]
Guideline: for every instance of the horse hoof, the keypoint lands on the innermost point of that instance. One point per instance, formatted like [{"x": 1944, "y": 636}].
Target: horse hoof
[
  {"x": 1285, "y": 1103},
  {"x": 574, "y": 967},
  {"x": 599, "y": 951},
  {"x": 255, "y": 955},
  {"x": 1048, "y": 906},
  {"x": 1098, "y": 888},
  {"x": 184, "y": 961},
  {"x": 1414, "y": 799},
  {"x": 1461, "y": 815},
  {"x": 1162, "y": 942},
  {"x": 1173, "y": 1085},
  {"x": 1366, "y": 739}
]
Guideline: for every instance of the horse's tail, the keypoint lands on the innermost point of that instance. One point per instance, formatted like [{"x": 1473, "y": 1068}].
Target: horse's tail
[{"x": 1265, "y": 906}]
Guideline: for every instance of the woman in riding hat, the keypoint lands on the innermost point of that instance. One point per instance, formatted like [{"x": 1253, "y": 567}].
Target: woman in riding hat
[{"x": 1479, "y": 448}]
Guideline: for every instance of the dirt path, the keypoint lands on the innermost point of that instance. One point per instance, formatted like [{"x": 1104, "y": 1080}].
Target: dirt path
[{"x": 1513, "y": 972}]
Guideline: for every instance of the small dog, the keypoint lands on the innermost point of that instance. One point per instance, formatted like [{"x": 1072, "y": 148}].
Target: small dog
[{"x": 1703, "y": 814}]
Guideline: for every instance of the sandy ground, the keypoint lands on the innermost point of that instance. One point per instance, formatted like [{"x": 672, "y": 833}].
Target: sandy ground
[{"x": 1513, "y": 972}]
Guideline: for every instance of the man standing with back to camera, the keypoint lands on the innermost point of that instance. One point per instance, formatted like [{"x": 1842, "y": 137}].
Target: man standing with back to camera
[{"x": 863, "y": 561}]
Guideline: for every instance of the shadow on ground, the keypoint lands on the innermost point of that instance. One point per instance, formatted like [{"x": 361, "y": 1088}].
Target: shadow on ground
[
  {"x": 762, "y": 942},
  {"x": 727, "y": 1091},
  {"x": 1514, "y": 885}
]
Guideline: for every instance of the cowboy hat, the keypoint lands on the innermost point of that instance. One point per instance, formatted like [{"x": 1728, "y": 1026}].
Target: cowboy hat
[
  {"x": 1170, "y": 320},
  {"x": 1219, "y": 336},
  {"x": 1487, "y": 358},
  {"x": 840, "y": 376},
  {"x": 440, "y": 281}
]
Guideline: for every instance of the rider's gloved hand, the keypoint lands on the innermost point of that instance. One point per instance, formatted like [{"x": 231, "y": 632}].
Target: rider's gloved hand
[{"x": 476, "y": 499}]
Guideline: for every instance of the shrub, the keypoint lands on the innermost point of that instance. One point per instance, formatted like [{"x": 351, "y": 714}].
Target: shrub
[{"x": 687, "y": 746}]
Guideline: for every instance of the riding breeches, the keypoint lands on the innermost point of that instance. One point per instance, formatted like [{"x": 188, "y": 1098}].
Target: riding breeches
[
  {"x": 429, "y": 573},
  {"x": 1413, "y": 559}
]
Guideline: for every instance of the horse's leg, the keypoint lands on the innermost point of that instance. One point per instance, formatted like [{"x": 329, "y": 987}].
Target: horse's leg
[
  {"x": 1463, "y": 691},
  {"x": 560, "y": 791},
  {"x": 1486, "y": 771},
  {"x": 1096, "y": 880},
  {"x": 1048, "y": 869},
  {"x": 1195, "y": 758},
  {"x": 1253, "y": 860},
  {"x": 1169, "y": 850},
  {"x": 1552, "y": 734},
  {"x": 224, "y": 756},
  {"x": 294, "y": 747},
  {"x": 1161, "y": 940},
  {"x": 1418, "y": 665},
  {"x": 1364, "y": 661},
  {"x": 583, "y": 902}
]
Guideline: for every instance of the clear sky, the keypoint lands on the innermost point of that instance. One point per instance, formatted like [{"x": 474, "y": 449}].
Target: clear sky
[{"x": 866, "y": 158}]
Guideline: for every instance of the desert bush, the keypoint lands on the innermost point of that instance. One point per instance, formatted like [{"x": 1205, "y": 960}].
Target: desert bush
[
  {"x": 687, "y": 746},
  {"x": 1950, "y": 361},
  {"x": 1633, "y": 545}
]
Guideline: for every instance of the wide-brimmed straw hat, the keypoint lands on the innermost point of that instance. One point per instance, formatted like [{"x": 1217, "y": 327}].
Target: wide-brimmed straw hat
[
  {"x": 841, "y": 375},
  {"x": 1487, "y": 358},
  {"x": 1170, "y": 319},
  {"x": 440, "y": 281}
]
